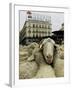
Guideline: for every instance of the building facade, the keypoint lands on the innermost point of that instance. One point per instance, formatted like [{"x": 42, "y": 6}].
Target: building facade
[{"x": 35, "y": 29}]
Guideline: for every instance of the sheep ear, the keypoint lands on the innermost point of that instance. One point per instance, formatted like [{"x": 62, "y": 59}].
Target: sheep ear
[
  {"x": 41, "y": 46},
  {"x": 42, "y": 42},
  {"x": 56, "y": 45},
  {"x": 53, "y": 42},
  {"x": 31, "y": 58}
]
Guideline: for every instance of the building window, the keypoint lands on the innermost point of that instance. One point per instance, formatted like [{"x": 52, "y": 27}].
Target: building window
[
  {"x": 33, "y": 31},
  {"x": 36, "y": 26},
  {"x": 33, "y": 25},
  {"x": 43, "y": 25},
  {"x": 29, "y": 31},
  {"x": 39, "y": 26},
  {"x": 49, "y": 32},
  {"x": 33, "y": 34},
  {"x": 36, "y": 35},
  {"x": 36, "y": 31},
  {"x": 49, "y": 27}
]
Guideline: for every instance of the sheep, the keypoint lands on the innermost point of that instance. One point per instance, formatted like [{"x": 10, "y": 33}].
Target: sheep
[
  {"x": 26, "y": 51},
  {"x": 44, "y": 70},
  {"x": 38, "y": 53},
  {"x": 48, "y": 49},
  {"x": 23, "y": 55},
  {"x": 58, "y": 62},
  {"x": 33, "y": 45},
  {"x": 27, "y": 68},
  {"x": 37, "y": 49}
]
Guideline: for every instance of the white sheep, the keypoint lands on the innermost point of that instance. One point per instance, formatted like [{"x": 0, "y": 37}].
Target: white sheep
[
  {"x": 26, "y": 51},
  {"x": 58, "y": 61},
  {"x": 48, "y": 49},
  {"x": 33, "y": 45},
  {"x": 23, "y": 53},
  {"x": 30, "y": 68},
  {"x": 27, "y": 68},
  {"x": 45, "y": 70}
]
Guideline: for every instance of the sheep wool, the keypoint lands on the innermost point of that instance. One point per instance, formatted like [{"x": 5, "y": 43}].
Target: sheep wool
[
  {"x": 27, "y": 66},
  {"x": 27, "y": 70},
  {"x": 59, "y": 67},
  {"x": 45, "y": 70},
  {"x": 59, "y": 61},
  {"x": 26, "y": 51}
]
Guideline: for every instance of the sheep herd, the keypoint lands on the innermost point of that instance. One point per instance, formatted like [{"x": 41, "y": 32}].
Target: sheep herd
[{"x": 41, "y": 60}]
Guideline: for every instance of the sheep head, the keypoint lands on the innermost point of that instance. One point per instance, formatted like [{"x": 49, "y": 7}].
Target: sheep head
[{"x": 47, "y": 45}]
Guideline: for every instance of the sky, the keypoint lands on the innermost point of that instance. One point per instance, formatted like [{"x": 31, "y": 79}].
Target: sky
[{"x": 57, "y": 18}]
